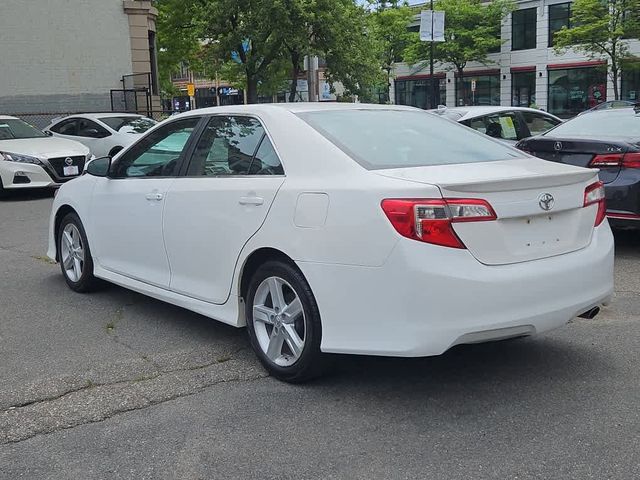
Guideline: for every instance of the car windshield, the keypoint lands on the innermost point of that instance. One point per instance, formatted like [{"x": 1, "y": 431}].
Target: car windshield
[
  {"x": 377, "y": 138},
  {"x": 129, "y": 124},
  {"x": 616, "y": 123},
  {"x": 12, "y": 128}
]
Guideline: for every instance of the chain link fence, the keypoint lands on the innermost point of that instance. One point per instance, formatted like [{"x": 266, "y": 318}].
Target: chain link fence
[{"x": 42, "y": 120}]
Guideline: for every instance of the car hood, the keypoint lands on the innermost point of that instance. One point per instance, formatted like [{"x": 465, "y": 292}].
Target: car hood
[{"x": 46, "y": 147}]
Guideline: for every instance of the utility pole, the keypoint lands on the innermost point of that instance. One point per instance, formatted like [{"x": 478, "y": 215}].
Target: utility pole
[
  {"x": 312, "y": 77},
  {"x": 432, "y": 92}
]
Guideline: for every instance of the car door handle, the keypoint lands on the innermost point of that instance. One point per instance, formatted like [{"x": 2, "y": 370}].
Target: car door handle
[
  {"x": 251, "y": 201},
  {"x": 154, "y": 196}
]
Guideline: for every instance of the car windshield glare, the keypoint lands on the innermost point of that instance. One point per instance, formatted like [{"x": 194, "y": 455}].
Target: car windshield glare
[
  {"x": 129, "y": 124},
  {"x": 378, "y": 138},
  {"x": 13, "y": 128},
  {"x": 605, "y": 123}
]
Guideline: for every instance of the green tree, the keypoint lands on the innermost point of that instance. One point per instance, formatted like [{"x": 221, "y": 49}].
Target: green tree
[
  {"x": 601, "y": 29},
  {"x": 178, "y": 39},
  {"x": 389, "y": 22},
  {"x": 472, "y": 31}
]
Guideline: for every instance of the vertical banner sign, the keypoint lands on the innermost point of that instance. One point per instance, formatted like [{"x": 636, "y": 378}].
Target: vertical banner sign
[
  {"x": 431, "y": 26},
  {"x": 426, "y": 26},
  {"x": 438, "y": 26}
]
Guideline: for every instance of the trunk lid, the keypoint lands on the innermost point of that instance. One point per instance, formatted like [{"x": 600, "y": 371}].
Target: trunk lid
[
  {"x": 523, "y": 231},
  {"x": 577, "y": 152}
]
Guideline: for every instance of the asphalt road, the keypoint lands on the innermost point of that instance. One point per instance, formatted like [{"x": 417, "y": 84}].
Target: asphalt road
[{"x": 116, "y": 385}]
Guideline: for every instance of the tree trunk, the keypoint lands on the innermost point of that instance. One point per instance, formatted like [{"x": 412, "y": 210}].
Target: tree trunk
[
  {"x": 252, "y": 89},
  {"x": 295, "y": 71},
  {"x": 614, "y": 77},
  {"x": 461, "y": 92}
]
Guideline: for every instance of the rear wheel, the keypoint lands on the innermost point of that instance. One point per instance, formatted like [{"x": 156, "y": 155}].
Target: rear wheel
[
  {"x": 283, "y": 322},
  {"x": 74, "y": 255}
]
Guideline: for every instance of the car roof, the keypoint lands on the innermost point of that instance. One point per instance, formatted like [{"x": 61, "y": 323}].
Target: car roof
[
  {"x": 296, "y": 107},
  {"x": 8, "y": 117},
  {"x": 465, "y": 113},
  {"x": 621, "y": 111}
]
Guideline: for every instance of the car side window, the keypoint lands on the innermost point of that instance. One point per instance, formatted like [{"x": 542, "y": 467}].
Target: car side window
[
  {"x": 227, "y": 147},
  {"x": 66, "y": 127},
  {"x": 90, "y": 129},
  {"x": 538, "y": 123},
  {"x": 157, "y": 154},
  {"x": 266, "y": 161},
  {"x": 498, "y": 125}
]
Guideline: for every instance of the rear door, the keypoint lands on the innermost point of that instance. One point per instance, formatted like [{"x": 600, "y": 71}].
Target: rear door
[{"x": 223, "y": 199}]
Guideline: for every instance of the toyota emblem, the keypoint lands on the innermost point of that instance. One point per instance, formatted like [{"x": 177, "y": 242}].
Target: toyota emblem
[
  {"x": 557, "y": 146},
  {"x": 68, "y": 161},
  {"x": 546, "y": 201}
]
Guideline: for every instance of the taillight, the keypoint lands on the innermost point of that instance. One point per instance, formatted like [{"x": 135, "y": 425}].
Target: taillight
[
  {"x": 627, "y": 160},
  {"x": 594, "y": 194},
  {"x": 430, "y": 220},
  {"x": 631, "y": 160}
]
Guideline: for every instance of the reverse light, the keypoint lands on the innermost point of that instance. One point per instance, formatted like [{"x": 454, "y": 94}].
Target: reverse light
[
  {"x": 594, "y": 194},
  {"x": 430, "y": 220},
  {"x": 626, "y": 160}
]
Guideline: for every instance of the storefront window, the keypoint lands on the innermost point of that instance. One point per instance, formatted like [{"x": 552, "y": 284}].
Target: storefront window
[
  {"x": 523, "y": 89},
  {"x": 486, "y": 92},
  {"x": 523, "y": 25},
  {"x": 630, "y": 88},
  {"x": 416, "y": 93},
  {"x": 575, "y": 90},
  {"x": 559, "y": 16}
]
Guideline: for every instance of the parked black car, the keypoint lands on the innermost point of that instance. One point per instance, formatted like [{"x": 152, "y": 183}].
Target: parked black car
[{"x": 608, "y": 140}]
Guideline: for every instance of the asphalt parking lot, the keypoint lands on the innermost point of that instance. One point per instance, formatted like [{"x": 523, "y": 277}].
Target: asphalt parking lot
[{"x": 117, "y": 385}]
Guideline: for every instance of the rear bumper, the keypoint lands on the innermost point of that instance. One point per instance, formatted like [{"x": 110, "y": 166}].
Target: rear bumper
[{"x": 426, "y": 299}]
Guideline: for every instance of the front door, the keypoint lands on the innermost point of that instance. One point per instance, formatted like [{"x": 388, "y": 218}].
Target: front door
[
  {"x": 126, "y": 210},
  {"x": 211, "y": 213}
]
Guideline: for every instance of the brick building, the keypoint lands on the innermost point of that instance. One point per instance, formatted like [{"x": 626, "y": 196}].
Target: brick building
[{"x": 68, "y": 55}]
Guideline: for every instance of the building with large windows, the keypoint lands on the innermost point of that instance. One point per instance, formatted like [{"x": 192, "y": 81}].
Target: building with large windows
[{"x": 525, "y": 72}]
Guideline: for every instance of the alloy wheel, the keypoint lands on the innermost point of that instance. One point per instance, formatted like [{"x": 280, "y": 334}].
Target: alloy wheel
[
  {"x": 279, "y": 321},
  {"x": 72, "y": 252}
]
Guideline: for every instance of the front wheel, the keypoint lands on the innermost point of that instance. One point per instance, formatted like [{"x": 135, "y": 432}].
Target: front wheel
[
  {"x": 74, "y": 255},
  {"x": 283, "y": 322}
]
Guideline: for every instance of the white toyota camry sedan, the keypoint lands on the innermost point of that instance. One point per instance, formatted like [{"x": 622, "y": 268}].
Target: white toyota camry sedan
[{"x": 341, "y": 228}]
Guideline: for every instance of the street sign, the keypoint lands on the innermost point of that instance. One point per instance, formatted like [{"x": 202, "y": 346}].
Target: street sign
[
  {"x": 473, "y": 85},
  {"x": 431, "y": 26},
  {"x": 191, "y": 90}
]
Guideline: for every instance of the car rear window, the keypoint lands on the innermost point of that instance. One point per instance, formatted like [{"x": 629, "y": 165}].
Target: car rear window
[
  {"x": 615, "y": 123},
  {"x": 378, "y": 138}
]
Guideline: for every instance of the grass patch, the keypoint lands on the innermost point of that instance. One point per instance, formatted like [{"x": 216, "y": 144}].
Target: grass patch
[{"x": 45, "y": 259}]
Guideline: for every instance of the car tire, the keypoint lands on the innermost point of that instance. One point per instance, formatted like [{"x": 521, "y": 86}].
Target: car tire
[
  {"x": 74, "y": 254},
  {"x": 296, "y": 329},
  {"x": 114, "y": 151}
]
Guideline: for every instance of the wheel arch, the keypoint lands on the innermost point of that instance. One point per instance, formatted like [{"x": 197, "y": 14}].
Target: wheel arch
[
  {"x": 252, "y": 263},
  {"x": 63, "y": 211}
]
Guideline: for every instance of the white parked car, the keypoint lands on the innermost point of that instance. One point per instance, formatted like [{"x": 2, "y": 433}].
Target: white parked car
[
  {"x": 104, "y": 133},
  {"x": 508, "y": 124},
  {"x": 346, "y": 228},
  {"x": 31, "y": 159}
]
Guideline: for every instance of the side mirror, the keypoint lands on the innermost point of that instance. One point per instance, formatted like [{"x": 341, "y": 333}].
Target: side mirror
[
  {"x": 99, "y": 167},
  {"x": 47, "y": 133}
]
